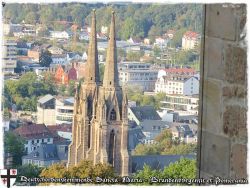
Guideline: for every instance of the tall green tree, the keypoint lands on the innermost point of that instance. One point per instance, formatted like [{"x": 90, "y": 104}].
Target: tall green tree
[
  {"x": 14, "y": 145},
  {"x": 45, "y": 59}
]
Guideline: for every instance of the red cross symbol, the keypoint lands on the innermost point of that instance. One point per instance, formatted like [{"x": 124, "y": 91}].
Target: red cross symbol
[{"x": 4, "y": 180}]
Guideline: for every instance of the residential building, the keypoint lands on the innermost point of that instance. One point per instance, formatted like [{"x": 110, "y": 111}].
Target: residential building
[
  {"x": 104, "y": 29},
  {"x": 55, "y": 50},
  {"x": 9, "y": 56},
  {"x": 184, "y": 133},
  {"x": 152, "y": 128},
  {"x": 60, "y": 59},
  {"x": 62, "y": 130},
  {"x": 46, "y": 155},
  {"x": 36, "y": 51},
  {"x": 181, "y": 85},
  {"x": 64, "y": 110},
  {"x": 141, "y": 113},
  {"x": 34, "y": 135},
  {"x": 184, "y": 105},
  {"x": 138, "y": 74},
  {"x": 176, "y": 71},
  {"x": 73, "y": 56},
  {"x": 59, "y": 34},
  {"x": 65, "y": 73},
  {"x": 147, "y": 41},
  {"x": 161, "y": 41},
  {"x": 11, "y": 28},
  {"x": 170, "y": 34},
  {"x": 168, "y": 115},
  {"x": 46, "y": 110},
  {"x": 190, "y": 40}
]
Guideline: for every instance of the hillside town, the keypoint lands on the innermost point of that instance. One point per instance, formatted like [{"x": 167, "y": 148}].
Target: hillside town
[{"x": 162, "y": 92}]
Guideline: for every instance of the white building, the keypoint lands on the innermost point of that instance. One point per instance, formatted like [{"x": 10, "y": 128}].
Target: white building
[
  {"x": 138, "y": 74},
  {"x": 34, "y": 135},
  {"x": 190, "y": 40},
  {"x": 11, "y": 28},
  {"x": 9, "y": 56},
  {"x": 46, "y": 110},
  {"x": 59, "y": 35},
  {"x": 59, "y": 59},
  {"x": 184, "y": 105},
  {"x": 64, "y": 110},
  {"x": 181, "y": 85}
]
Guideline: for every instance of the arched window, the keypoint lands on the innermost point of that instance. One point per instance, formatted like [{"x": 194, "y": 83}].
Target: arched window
[
  {"x": 112, "y": 115},
  {"x": 111, "y": 150}
]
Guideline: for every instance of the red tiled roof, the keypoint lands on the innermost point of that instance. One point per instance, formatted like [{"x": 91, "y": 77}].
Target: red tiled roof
[
  {"x": 180, "y": 70},
  {"x": 191, "y": 34},
  {"x": 31, "y": 131},
  {"x": 62, "y": 127}
]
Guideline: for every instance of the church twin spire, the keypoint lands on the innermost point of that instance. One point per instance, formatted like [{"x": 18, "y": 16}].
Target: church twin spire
[
  {"x": 92, "y": 73},
  {"x": 111, "y": 72}
]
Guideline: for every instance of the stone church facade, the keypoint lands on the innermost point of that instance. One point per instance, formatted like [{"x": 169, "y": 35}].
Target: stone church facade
[{"x": 100, "y": 124}]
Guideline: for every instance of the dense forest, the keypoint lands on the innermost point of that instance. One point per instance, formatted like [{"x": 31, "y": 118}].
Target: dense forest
[{"x": 138, "y": 20}]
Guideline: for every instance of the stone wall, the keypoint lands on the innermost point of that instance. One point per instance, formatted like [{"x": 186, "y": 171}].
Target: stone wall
[{"x": 222, "y": 149}]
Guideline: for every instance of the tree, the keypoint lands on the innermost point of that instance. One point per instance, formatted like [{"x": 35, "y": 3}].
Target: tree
[
  {"x": 45, "y": 59},
  {"x": 25, "y": 91},
  {"x": 147, "y": 173},
  {"x": 71, "y": 88},
  {"x": 14, "y": 145},
  {"x": 29, "y": 171},
  {"x": 57, "y": 170},
  {"x": 83, "y": 170},
  {"x": 31, "y": 18},
  {"x": 128, "y": 28},
  {"x": 184, "y": 168},
  {"x": 133, "y": 56}
]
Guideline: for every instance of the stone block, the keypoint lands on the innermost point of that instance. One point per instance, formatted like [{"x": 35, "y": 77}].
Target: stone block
[
  {"x": 239, "y": 161},
  {"x": 235, "y": 65},
  {"x": 234, "y": 121},
  {"x": 212, "y": 105},
  {"x": 214, "y": 66},
  {"x": 215, "y": 154},
  {"x": 234, "y": 91},
  {"x": 221, "y": 21}
]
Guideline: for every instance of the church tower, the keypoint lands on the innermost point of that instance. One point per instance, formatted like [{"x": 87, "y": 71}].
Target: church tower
[{"x": 100, "y": 124}]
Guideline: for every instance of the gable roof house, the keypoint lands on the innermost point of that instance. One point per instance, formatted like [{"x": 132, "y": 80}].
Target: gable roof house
[
  {"x": 34, "y": 135},
  {"x": 46, "y": 155}
]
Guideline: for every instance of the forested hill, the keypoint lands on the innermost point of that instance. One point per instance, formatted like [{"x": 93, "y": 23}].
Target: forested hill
[{"x": 139, "y": 20}]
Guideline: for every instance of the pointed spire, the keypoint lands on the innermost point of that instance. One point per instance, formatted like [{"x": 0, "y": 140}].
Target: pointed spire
[
  {"x": 111, "y": 72},
  {"x": 92, "y": 73}
]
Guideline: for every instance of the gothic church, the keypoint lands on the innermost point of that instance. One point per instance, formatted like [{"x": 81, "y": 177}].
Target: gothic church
[{"x": 100, "y": 124}]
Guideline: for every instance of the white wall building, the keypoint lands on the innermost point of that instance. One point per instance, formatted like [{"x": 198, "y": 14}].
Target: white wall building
[
  {"x": 64, "y": 110},
  {"x": 9, "y": 56},
  {"x": 59, "y": 35},
  {"x": 190, "y": 40},
  {"x": 184, "y": 105},
  {"x": 59, "y": 59},
  {"x": 138, "y": 74},
  {"x": 177, "y": 85}
]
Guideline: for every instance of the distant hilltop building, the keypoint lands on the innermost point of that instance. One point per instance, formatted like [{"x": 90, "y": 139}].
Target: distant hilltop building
[
  {"x": 100, "y": 123},
  {"x": 190, "y": 40}
]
